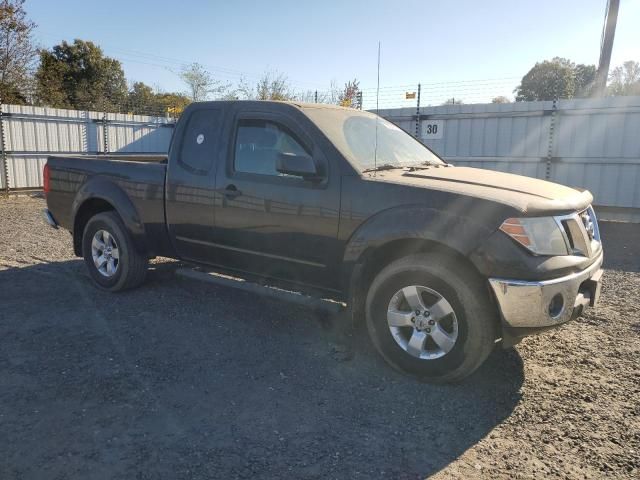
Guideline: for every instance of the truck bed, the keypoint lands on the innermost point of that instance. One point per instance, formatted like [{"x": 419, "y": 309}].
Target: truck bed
[
  {"x": 122, "y": 157},
  {"x": 138, "y": 180}
]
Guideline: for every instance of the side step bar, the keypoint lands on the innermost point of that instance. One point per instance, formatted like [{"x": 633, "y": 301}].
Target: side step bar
[{"x": 329, "y": 306}]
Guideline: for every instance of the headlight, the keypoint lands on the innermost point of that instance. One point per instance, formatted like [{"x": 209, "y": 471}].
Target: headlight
[{"x": 540, "y": 235}]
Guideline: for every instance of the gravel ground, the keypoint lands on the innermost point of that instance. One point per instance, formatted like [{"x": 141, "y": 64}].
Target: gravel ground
[{"x": 180, "y": 379}]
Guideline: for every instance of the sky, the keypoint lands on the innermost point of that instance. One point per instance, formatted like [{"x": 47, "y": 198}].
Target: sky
[{"x": 473, "y": 50}]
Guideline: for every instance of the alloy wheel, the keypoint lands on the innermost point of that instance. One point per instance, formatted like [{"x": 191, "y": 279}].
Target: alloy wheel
[
  {"x": 105, "y": 253},
  {"x": 422, "y": 322}
]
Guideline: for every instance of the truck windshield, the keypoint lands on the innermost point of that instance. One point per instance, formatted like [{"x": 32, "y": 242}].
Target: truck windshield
[{"x": 353, "y": 132}]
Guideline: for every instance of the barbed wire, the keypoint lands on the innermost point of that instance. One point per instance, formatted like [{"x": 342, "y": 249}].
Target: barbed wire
[{"x": 391, "y": 96}]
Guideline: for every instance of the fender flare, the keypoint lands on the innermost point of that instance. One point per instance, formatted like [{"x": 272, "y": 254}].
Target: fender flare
[
  {"x": 98, "y": 187},
  {"x": 453, "y": 230}
]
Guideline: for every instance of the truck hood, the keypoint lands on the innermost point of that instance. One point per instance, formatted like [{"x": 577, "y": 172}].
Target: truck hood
[{"x": 529, "y": 195}]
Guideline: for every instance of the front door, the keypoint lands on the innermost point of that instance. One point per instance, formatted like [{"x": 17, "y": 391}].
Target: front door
[{"x": 273, "y": 224}]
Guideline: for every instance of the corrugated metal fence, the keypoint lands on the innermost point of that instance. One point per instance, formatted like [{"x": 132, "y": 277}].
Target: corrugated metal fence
[
  {"x": 590, "y": 143},
  {"x": 33, "y": 133}
]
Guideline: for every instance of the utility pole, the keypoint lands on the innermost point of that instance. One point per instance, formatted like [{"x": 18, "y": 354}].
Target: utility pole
[
  {"x": 418, "y": 113},
  {"x": 609, "y": 31},
  {"x": 3, "y": 156}
]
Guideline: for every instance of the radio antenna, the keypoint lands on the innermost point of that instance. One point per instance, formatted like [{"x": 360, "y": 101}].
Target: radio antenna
[{"x": 375, "y": 148}]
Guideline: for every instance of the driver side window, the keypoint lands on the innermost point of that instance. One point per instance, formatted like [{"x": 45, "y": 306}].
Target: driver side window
[{"x": 259, "y": 143}]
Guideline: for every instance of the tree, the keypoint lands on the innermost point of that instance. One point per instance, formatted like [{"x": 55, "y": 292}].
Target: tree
[
  {"x": 274, "y": 86},
  {"x": 201, "y": 84},
  {"x": 453, "y": 101},
  {"x": 585, "y": 76},
  {"x": 142, "y": 100},
  {"x": 349, "y": 96},
  {"x": 331, "y": 96},
  {"x": 556, "y": 78},
  {"x": 500, "y": 99},
  {"x": 271, "y": 86},
  {"x": 307, "y": 96},
  {"x": 17, "y": 53},
  {"x": 80, "y": 76},
  {"x": 172, "y": 103},
  {"x": 625, "y": 79}
]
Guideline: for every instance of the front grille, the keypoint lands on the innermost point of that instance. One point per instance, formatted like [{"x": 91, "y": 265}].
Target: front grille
[
  {"x": 581, "y": 232},
  {"x": 590, "y": 222}
]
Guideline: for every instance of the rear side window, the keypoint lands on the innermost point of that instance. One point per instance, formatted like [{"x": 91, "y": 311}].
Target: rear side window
[
  {"x": 258, "y": 144},
  {"x": 199, "y": 143}
]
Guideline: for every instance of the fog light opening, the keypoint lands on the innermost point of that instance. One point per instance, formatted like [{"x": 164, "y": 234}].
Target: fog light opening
[{"x": 556, "y": 305}]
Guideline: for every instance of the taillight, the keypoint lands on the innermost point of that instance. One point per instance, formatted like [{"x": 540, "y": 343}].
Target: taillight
[{"x": 45, "y": 178}]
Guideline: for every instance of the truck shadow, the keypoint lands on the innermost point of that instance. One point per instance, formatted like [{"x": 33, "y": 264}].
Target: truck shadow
[
  {"x": 180, "y": 378},
  {"x": 621, "y": 242}
]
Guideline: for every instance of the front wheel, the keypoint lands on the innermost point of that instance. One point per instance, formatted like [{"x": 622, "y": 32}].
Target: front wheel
[
  {"x": 430, "y": 317},
  {"x": 110, "y": 255}
]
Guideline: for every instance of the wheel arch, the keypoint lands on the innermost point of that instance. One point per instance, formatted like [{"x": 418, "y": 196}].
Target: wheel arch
[
  {"x": 400, "y": 232},
  {"x": 101, "y": 195}
]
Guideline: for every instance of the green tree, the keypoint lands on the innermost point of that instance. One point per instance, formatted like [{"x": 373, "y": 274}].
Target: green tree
[
  {"x": 142, "y": 100},
  {"x": 585, "y": 75},
  {"x": 78, "y": 75},
  {"x": 556, "y": 78},
  {"x": 17, "y": 53},
  {"x": 172, "y": 103},
  {"x": 625, "y": 79}
]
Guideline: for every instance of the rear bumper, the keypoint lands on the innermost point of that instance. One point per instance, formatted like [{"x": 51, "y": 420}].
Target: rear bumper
[
  {"x": 48, "y": 217},
  {"x": 546, "y": 303}
]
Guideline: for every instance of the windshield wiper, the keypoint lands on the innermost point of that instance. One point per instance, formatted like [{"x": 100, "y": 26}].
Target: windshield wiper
[{"x": 386, "y": 166}]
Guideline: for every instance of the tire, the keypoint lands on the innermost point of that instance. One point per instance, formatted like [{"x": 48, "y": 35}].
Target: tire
[
  {"x": 466, "y": 316},
  {"x": 126, "y": 271}
]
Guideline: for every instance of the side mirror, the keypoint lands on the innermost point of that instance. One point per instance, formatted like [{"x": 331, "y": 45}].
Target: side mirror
[{"x": 298, "y": 165}]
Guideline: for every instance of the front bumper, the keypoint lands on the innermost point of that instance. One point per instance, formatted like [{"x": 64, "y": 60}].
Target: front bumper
[{"x": 546, "y": 303}]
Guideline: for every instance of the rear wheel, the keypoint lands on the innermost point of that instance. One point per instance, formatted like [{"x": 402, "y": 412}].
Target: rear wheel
[
  {"x": 110, "y": 255},
  {"x": 430, "y": 317}
]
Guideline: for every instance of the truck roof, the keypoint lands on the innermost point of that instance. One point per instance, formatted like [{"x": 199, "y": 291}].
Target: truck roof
[{"x": 300, "y": 105}]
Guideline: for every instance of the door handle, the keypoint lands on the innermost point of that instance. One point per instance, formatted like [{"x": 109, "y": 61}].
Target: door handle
[{"x": 231, "y": 192}]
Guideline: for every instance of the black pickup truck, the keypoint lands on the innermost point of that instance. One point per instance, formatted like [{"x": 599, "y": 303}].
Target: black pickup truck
[{"x": 443, "y": 262}]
